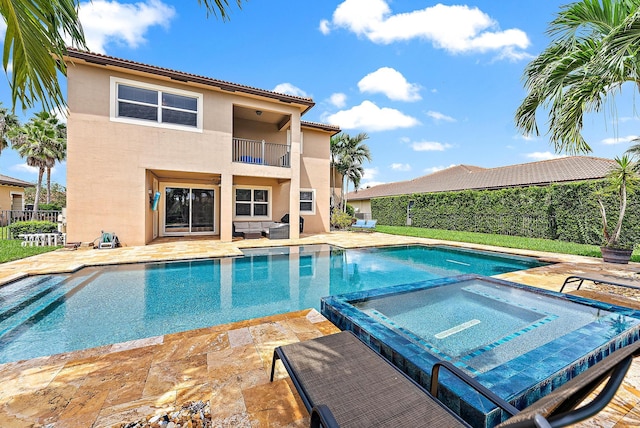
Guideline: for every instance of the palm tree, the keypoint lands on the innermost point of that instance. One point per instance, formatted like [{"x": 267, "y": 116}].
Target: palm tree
[
  {"x": 593, "y": 53},
  {"x": 336, "y": 145},
  {"x": 41, "y": 142},
  {"x": 8, "y": 121},
  {"x": 623, "y": 178},
  {"x": 36, "y": 40},
  {"x": 59, "y": 149},
  {"x": 352, "y": 155}
]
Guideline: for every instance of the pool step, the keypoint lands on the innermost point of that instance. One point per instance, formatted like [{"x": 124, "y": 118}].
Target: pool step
[{"x": 25, "y": 299}]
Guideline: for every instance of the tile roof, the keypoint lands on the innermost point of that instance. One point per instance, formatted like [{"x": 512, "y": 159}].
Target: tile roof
[
  {"x": 100, "y": 59},
  {"x": 322, "y": 126},
  {"x": 10, "y": 181},
  {"x": 463, "y": 177}
]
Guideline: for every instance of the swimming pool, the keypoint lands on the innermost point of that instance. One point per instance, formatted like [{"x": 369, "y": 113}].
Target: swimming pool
[
  {"x": 518, "y": 341},
  {"x": 49, "y": 314}
]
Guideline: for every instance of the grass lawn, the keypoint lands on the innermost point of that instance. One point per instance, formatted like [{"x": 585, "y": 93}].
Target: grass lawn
[
  {"x": 535, "y": 244},
  {"x": 10, "y": 249}
]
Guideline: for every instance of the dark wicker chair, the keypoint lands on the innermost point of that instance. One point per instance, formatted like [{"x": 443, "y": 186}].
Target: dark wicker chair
[{"x": 344, "y": 383}]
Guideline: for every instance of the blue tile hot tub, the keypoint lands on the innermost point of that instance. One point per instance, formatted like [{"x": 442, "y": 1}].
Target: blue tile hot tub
[{"x": 521, "y": 342}]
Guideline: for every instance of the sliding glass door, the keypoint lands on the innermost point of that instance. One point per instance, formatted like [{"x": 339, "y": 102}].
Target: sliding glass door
[{"x": 189, "y": 210}]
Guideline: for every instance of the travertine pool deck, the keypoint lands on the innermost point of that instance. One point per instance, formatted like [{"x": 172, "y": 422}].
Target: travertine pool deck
[{"x": 227, "y": 365}]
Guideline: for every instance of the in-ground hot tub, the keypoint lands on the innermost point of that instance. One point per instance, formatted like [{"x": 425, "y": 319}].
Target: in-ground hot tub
[{"x": 518, "y": 341}]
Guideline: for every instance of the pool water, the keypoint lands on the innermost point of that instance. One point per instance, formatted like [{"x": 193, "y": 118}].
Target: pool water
[
  {"x": 518, "y": 341},
  {"x": 49, "y": 314}
]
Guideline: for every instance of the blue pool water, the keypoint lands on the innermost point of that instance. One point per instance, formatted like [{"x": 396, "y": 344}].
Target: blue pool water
[
  {"x": 49, "y": 314},
  {"x": 518, "y": 341}
]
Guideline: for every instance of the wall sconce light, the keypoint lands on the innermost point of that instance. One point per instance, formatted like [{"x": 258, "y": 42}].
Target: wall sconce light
[{"x": 259, "y": 112}]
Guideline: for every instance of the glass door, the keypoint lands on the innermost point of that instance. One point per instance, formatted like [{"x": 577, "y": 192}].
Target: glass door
[{"x": 189, "y": 210}]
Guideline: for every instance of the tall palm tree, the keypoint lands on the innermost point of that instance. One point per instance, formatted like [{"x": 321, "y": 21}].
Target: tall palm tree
[
  {"x": 8, "y": 121},
  {"x": 36, "y": 39},
  {"x": 59, "y": 150},
  {"x": 352, "y": 155},
  {"x": 336, "y": 145},
  {"x": 41, "y": 142},
  {"x": 593, "y": 53}
]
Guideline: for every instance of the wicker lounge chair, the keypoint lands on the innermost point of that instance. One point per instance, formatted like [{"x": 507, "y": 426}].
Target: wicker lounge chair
[{"x": 343, "y": 383}]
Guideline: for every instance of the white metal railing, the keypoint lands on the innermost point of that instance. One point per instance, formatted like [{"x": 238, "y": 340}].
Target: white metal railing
[{"x": 261, "y": 153}]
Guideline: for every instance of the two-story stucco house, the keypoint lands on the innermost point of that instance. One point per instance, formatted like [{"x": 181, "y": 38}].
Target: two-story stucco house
[{"x": 217, "y": 152}]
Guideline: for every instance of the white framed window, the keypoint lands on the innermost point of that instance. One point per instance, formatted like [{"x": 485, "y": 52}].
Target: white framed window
[
  {"x": 307, "y": 201},
  {"x": 151, "y": 105},
  {"x": 252, "y": 202}
]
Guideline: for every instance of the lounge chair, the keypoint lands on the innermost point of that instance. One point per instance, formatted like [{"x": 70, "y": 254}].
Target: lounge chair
[
  {"x": 602, "y": 279},
  {"x": 343, "y": 383},
  {"x": 364, "y": 224},
  {"x": 107, "y": 240}
]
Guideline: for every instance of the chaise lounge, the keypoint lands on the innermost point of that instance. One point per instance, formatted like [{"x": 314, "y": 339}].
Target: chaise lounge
[
  {"x": 364, "y": 224},
  {"x": 344, "y": 383}
]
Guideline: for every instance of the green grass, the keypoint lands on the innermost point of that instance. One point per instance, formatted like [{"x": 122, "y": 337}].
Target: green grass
[
  {"x": 10, "y": 249},
  {"x": 519, "y": 242}
]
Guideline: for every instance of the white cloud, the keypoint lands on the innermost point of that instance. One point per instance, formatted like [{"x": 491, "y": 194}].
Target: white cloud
[
  {"x": 543, "y": 156},
  {"x": 108, "y": 21},
  {"x": 619, "y": 140},
  {"x": 370, "y": 173},
  {"x": 401, "y": 167},
  {"x": 528, "y": 137},
  {"x": 369, "y": 117},
  {"x": 456, "y": 28},
  {"x": 430, "y": 146},
  {"x": 24, "y": 168},
  {"x": 324, "y": 27},
  {"x": 437, "y": 116},
  {"x": 391, "y": 83},
  {"x": 338, "y": 99},
  {"x": 289, "y": 89},
  {"x": 61, "y": 114},
  {"x": 437, "y": 168}
]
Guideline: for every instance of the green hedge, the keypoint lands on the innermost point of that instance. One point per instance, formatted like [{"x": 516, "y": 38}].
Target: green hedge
[
  {"x": 22, "y": 227},
  {"x": 567, "y": 212}
]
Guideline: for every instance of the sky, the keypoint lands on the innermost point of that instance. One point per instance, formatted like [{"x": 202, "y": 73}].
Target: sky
[{"x": 432, "y": 84}]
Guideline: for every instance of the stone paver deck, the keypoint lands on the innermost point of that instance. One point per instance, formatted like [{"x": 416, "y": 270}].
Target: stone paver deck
[{"x": 227, "y": 365}]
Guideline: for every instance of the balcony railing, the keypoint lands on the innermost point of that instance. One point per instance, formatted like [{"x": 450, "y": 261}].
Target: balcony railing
[{"x": 261, "y": 153}]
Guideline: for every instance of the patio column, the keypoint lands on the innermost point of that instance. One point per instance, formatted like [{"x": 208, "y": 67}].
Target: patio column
[
  {"x": 294, "y": 190},
  {"x": 226, "y": 207}
]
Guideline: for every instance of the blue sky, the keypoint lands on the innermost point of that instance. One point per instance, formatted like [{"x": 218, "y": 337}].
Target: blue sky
[{"x": 432, "y": 84}]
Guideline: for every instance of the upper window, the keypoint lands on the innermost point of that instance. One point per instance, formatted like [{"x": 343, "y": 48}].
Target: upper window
[
  {"x": 307, "y": 201},
  {"x": 156, "y": 106}
]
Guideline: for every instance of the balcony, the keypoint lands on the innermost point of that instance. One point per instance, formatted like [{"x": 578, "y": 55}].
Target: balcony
[{"x": 261, "y": 153}]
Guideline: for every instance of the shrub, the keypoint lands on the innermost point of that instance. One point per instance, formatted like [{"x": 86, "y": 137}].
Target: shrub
[
  {"x": 350, "y": 210},
  {"x": 22, "y": 227},
  {"x": 340, "y": 220},
  {"x": 50, "y": 207}
]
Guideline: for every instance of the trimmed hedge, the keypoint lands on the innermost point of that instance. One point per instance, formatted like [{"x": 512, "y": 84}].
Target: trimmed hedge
[
  {"x": 22, "y": 227},
  {"x": 567, "y": 212}
]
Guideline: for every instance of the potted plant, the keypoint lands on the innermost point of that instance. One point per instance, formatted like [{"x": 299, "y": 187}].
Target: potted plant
[{"x": 622, "y": 179}]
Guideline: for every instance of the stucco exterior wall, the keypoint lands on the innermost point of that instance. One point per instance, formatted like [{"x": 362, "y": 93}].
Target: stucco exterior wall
[
  {"x": 112, "y": 166},
  {"x": 5, "y": 195}
]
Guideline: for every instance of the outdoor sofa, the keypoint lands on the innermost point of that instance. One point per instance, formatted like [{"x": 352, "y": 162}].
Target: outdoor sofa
[
  {"x": 344, "y": 383},
  {"x": 270, "y": 229}
]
